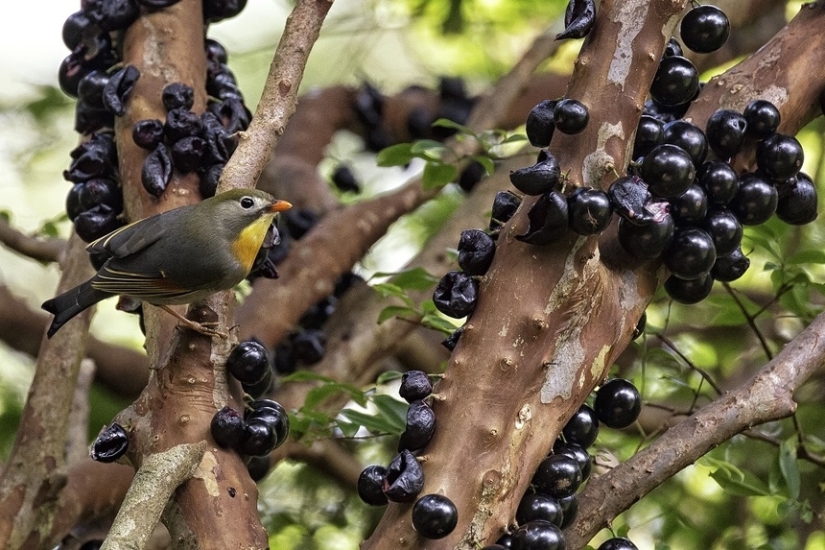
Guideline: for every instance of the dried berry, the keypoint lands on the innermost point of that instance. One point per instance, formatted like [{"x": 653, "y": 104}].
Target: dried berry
[
  {"x": 178, "y": 95},
  {"x": 370, "y": 485},
  {"x": 148, "y": 133},
  {"x": 415, "y": 385},
  {"x": 187, "y": 153},
  {"x": 181, "y": 123},
  {"x": 232, "y": 113},
  {"x": 456, "y": 294},
  {"x": 210, "y": 177},
  {"x": 420, "y": 427},
  {"x": 540, "y": 124},
  {"x": 451, "y": 341},
  {"x": 87, "y": 195},
  {"x": 434, "y": 516},
  {"x": 539, "y": 178},
  {"x": 404, "y": 479},
  {"x": 111, "y": 15},
  {"x": 157, "y": 171},
  {"x": 118, "y": 89},
  {"x": 226, "y": 427},
  {"x": 578, "y": 19},
  {"x": 629, "y": 195},
  {"x": 248, "y": 362},
  {"x": 110, "y": 444},
  {"x": 93, "y": 159},
  {"x": 220, "y": 144},
  {"x": 504, "y": 206},
  {"x": 548, "y": 219},
  {"x": 88, "y": 119},
  {"x": 475, "y": 251}
]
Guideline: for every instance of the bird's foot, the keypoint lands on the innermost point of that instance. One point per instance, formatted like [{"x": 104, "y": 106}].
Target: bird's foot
[{"x": 202, "y": 328}]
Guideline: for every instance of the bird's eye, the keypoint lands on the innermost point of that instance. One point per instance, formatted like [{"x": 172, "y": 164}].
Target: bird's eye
[{"x": 247, "y": 203}]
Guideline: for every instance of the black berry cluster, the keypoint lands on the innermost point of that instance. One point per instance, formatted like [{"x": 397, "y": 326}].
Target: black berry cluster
[
  {"x": 433, "y": 516},
  {"x": 457, "y": 292},
  {"x": 263, "y": 428},
  {"x": 249, "y": 362}
]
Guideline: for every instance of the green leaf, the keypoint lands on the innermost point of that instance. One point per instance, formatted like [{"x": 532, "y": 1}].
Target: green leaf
[
  {"x": 436, "y": 322},
  {"x": 807, "y": 257},
  {"x": 389, "y": 290},
  {"x": 428, "y": 149},
  {"x": 349, "y": 429},
  {"x": 416, "y": 278},
  {"x": 662, "y": 546},
  {"x": 447, "y": 123},
  {"x": 388, "y": 376},
  {"x": 391, "y": 312},
  {"x": 395, "y": 155},
  {"x": 623, "y": 531},
  {"x": 762, "y": 242},
  {"x": 437, "y": 175},
  {"x": 486, "y": 162},
  {"x": 393, "y": 411},
  {"x": 789, "y": 467},
  {"x": 514, "y": 138},
  {"x": 735, "y": 481},
  {"x": 374, "y": 424}
]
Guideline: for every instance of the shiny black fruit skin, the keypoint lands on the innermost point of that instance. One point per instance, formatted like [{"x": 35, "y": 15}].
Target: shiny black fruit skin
[
  {"x": 797, "y": 200},
  {"x": 570, "y": 508},
  {"x": 617, "y": 543},
  {"x": 534, "y": 506},
  {"x": 111, "y": 444},
  {"x": 273, "y": 414},
  {"x": 415, "y": 385},
  {"x": 704, "y": 29},
  {"x": 370, "y": 485},
  {"x": 649, "y": 134},
  {"x": 725, "y": 131},
  {"x": 780, "y": 156},
  {"x": 540, "y": 125},
  {"x": 538, "y": 535},
  {"x": 580, "y": 455},
  {"x": 226, "y": 427},
  {"x": 688, "y": 137},
  {"x": 618, "y": 403},
  {"x": 588, "y": 210},
  {"x": 557, "y": 476},
  {"x": 725, "y": 230},
  {"x": 689, "y": 291},
  {"x": 640, "y": 326},
  {"x": 690, "y": 207},
  {"x": 763, "y": 118},
  {"x": 668, "y": 171},
  {"x": 434, "y": 516},
  {"x": 691, "y": 253},
  {"x": 756, "y": 200},
  {"x": 646, "y": 242},
  {"x": 719, "y": 180},
  {"x": 248, "y": 362},
  {"x": 676, "y": 81},
  {"x": 673, "y": 48},
  {"x": 570, "y": 116},
  {"x": 345, "y": 180},
  {"x": 257, "y": 439},
  {"x": 258, "y": 467},
  {"x": 730, "y": 267},
  {"x": 582, "y": 428}
]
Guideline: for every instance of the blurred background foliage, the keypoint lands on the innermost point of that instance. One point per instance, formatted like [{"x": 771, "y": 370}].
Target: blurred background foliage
[{"x": 751, "y": 493}]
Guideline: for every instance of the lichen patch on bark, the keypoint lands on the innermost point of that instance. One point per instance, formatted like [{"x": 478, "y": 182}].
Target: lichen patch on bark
[{"x": 631, "y": 17}]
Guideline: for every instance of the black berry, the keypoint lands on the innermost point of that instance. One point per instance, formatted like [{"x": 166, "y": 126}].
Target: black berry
[
  {"x": 676, "y": 81},
  {"x": 535, "y": 506},
  {"x": 456, "y": 294},
  {"x": 570, "y": 116},
  {"x": 248, "y": 362},
  {"x": 618, "y": 403},
  {"x": 415, "y": 385},
  {"x": 370, "y": 484},
  {"x": 582, "y": 428},
  {"x": 434, "y": 516},
  {"x": 797, "y": 200},
  {"x": 589, "y": 210},
  {"x": 725, "y": 130},
  {"x": 689, "y": 291},
  {"x": 475, "y": 251},
  {"x": 540, "y": 124},
  {"x": 704, "y": 29},
  {"x": 763, "y": 118},
  {"x": 226, "y": 427},
  {"x": 756, "y": 200},
  {"x": 668, "y": 171},
  {"x": 691, "y": 253},
  {"x": 110, "y": 444},
  {"x": 557, "y": 476}
]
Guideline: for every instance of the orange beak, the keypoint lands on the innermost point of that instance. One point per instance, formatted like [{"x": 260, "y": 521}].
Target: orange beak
[{"x": 279, "y": 206}]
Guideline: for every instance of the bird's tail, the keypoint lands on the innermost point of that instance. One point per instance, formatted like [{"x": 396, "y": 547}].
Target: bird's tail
[{"x": 70, "y": 303}]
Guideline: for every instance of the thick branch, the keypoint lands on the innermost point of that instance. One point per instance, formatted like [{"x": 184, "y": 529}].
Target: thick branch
[{"x": 42, "y": 250}]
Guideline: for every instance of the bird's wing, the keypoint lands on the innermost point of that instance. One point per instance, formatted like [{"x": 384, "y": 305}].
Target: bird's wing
[
  {"x": 152, "y": 287},
  {"x": 132, "y": 238}
]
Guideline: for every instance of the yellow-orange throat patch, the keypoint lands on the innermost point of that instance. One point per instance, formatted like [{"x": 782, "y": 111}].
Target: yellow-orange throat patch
[{"x": 249, "y": 241}]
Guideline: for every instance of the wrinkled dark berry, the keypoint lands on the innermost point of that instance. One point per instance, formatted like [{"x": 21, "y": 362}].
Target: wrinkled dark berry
[
  {"x": 549, "y": 220},
  {"x": 148, "y": 133},
  {"x": 755, "y": 201},
  {"x": 187, "y": 153},
  {"x": 226, "y": 427},
  {"x": 420, "y": 427},
  {"x": 415, "y": 385},
  {"x": 218, "y": 10},
  {"x": 649, "y": 134},
  {"x": 618, "y": 403},
  {"x": 209, "y": 179},
  {"x": 690, "y": 207},
  {"x": 780, "y": 156},
  {"x": 345, "y": 180},
  {"x": 536, "y": 506},
  {"x": 257, "y": 438},
  {"x": 704, "y": 29},
  {"x": 676, "y": 81},
  {"x": 629, "y": 195},
  {"x": 538, "y": 535},
  {"x": 93, "y": 159},
  {"x": 258, "y": 467},
  {"x": 475, "y": 251},
  {"x": 668, "y": 171},
  {"x": 232, "y": 113},
  {"x": 110, "y": 444},
  {"x": 157, "y": 171},
  {"x": 539, "y": 178},
  {"x": 248, "y": 362},
  {"x": 689, "y": 291},
  {"x": 456, "y": 294},
  {"x": 646, "y": 242},
  {"x": 570, "y": 116},
  {"x": 97, "y": 222},
  {"x": 726, "y": 132},
  {"x": 504, "y": 206},
  {"x": 111, "y": 15},
  {"x": 434, "y": 516},
  {"x": 589, "y": 210},
  {"x": 797, "y": 200},
  {"x": 157, "y": 4},
  {"x": 88, "y": 119},
  {"x": 451, "y": 341},
  {"x": 725, "y": 230},
  {"x": 181, "y": 123},
  {"x": 471, "y": 175},
  {"x": 540, "y": 125},
  {"x": 688, "y": 137},
  {"x": 557, "y": 476},
  {"x": 220, "y": 144},
  {"x": 617, "y": 543},
  {"x": 178, "y": 95},
  {"x": 404, "y": 479},
  {"x": 370, "y": 485},
  {"x": 222, "y": 84},
  {"x": 582, "y": 428},
  {"x": 309, "y": 346},
  {"x": 763, "y": 118},
  {"x": 690, "y": 254},
  {"x": 730, "y": 267},
  {"x": 578, "y": 19},
  {"x": 118, "y": 89},
  {"x": 719, "y": 181}
]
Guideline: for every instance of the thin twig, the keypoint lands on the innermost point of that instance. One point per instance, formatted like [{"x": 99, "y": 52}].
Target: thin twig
[
  {"x": 750, "y": 320},
  {"x": 666, "y": 341}
]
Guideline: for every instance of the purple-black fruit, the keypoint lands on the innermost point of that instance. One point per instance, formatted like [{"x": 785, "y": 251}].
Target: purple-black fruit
[
  {"x": 226, "y": 427},
  {"x": 691, "y": 253},
  {"x": 557, "y": 476},
  {"x": 419, "y": 429},
  {"x": 90, "y": 89},
  {"x": 646, "y": 242},
  {"x": 344, "y": 180},
  {"x": 504, "y": 206},
  {"x": 618, "y": 403},
  {"x": 617, "y": 543},
  {"x": 536, "y": 506},
  {"x": 257, "y": 438},
  {"x": 157, "y": 171},
  {"x": 570, "y": 116},
  {"x": 475, "y": 251},
  {"x": 273, "y": 414},
  {"x": 580, "y": 455},
  {"x": 689, "y": 291},
  {"x": 755, "y": 201},
  {"x": 309, "y": 346},
  {"x": 668, "y": 171},
  {"x": 248, "y": 362},
  {"x": 582, "y": 428},
  {"x": 690, "y": 207},
  {"x": 434, "y": 516},
  {"x": 178, "y": 95},
  {"x": 780, "y": 156},
  {"x": 725, "y": 230},
  {"x": 218, "y": 10},
  {"x": 730, "y": 267},
  {"x": 262, "y": 386},
  {"x": 649, "y": 134},
  {"x": 676, "y": 81},
  {"x": 540, "y": 125},
  {"x": 97, "y": 222},
  {"x": 538, "y": 535},
  {"x": 538, "y": 178},
  {"x": 688, "y": 137},
  {"x": 77, "y": 27},
  {"x": 404, "y": 479},
  {"x": 209, "y": 179},
  {"x": 704, "y": 29},
  {"x": 181, "y": 123},
  {"x": 797, "y": 200},
  {"x": 110, "y": 444},
  {"x": 570, "y": 509},
  {"x": 640, "y": 326},
  {"x": 725, "y": 130},
  {"x": 629, "y": 195},
  {"x": 111, "y": 15},
  {"x": 232, "y": 113},
  {"x": 673, "y": 48},
  {"x": 415, "y": 385},
  {"x": 451, "y": 341},
  {"x": 763, "y": 118},
  {"x": 258, "y": 467},
  {"x": 578, "y": 19},
  {"x": 118, "y": 88},
  {"x": 147, "y": 133},
  {"x": 187, "y": 153},
  {"x": 589, "y": 210},
  {"x": 548, "y": 220},
  {"x": 456, "y": 294},
  {"x": 719, "y": 181},
  {"x": 370, "y": 484}
]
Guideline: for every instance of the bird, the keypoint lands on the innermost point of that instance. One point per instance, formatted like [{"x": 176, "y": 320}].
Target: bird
[{"x": 176, "y": 257}]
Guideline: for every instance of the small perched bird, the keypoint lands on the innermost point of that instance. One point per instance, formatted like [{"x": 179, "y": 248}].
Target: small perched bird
[{"x": 176, "y": 257}]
